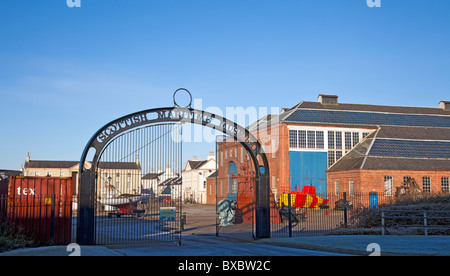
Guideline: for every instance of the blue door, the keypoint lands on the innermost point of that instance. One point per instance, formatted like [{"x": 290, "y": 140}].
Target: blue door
[{"x": 373, "y": 200}]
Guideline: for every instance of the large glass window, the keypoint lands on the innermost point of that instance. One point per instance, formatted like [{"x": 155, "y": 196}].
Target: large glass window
[{"x": 306, "y": 139}]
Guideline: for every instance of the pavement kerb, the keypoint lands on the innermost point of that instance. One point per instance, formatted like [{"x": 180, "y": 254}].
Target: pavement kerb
[{"x": 334, "y": 249}]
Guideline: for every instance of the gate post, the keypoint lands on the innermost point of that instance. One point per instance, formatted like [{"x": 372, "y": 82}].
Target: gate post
[
  {"x": 262, "y": 212},
  {"x": 86, "y": 209}
]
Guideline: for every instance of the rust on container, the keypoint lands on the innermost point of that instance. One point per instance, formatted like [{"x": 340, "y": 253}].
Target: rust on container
[{"x": 30, "y": 201}]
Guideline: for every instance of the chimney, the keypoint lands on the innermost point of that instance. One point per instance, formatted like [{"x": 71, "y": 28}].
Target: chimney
[
  {"x": 211, "y": 156},
  {"x": 168, "y": 169},
  {"x": 445, "y": 105},
  {"x": 328, "y": 99},
  {"x": 28, "y": 158},
  {"x": 194, "y": 158}
]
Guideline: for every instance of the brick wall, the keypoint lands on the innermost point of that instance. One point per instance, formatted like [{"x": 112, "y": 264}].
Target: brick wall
[{"x": 366, "y": 181}]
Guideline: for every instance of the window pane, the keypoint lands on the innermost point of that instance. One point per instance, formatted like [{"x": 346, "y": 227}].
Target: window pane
[
  {"x": 445, "y": 185},
  {"x": 302, "y": 139},
  {"x": 338, "y": 155},
  {"x": 338, "y": 140},
  {"x": 348, "y": 140},
  {"x": 293, "y": 139},
  {"x": 426, "y": 184},
  {"x": 311, "y": 139},
  {"x": 319, "y": 140},
  {"x": 331, "y": 158},
  {"x": 355, "y": 138},
  {"x": 330, "y": 139}
]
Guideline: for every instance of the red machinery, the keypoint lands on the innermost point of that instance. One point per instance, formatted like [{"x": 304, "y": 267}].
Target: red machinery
[{"x": 307, "y": 198}]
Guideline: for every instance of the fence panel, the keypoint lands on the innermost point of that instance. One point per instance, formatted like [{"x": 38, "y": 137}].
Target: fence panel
[
  {"x": 47, "y": 219},
  {"x": 323, "y": 220}
]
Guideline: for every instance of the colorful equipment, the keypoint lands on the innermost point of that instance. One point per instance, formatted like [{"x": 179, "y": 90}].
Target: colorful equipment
[{"x": 307, "y": 198}]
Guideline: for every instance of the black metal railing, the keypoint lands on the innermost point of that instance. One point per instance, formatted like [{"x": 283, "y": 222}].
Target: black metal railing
[{"x": 289, "y": 220}]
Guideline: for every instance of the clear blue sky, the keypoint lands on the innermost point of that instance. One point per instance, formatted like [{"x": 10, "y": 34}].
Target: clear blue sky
[{"x": 65, "y": 72}]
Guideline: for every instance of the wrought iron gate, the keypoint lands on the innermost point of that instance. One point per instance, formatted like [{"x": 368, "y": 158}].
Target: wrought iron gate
[
  {"x": 139, "y": 187},
  {"x": 126, "y": 143}
]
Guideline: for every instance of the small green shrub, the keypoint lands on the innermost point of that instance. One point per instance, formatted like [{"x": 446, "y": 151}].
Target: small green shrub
[{"x": 11, "y": 237}]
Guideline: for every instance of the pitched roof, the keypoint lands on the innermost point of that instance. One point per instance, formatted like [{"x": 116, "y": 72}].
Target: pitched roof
[
  {"x": 407, "y": 138},
  {"x": 365, "y": 118},
  {"x": 151, "y": 176},
  {"x": 376, "y": 152},
  {"x": 196, "y": 164},
  {"x": 213, "y": 175},
  {"x": 37, "y": 164},
  {"x": 372, "y": 108},
  {"x": 55, "y": 164},
  {"x": 119, "y": 165}
]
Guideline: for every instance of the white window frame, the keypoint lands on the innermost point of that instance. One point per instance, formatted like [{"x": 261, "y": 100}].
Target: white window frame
[
  {"x": 388, "y": 185},
  {"x": 338, "y": 139}
]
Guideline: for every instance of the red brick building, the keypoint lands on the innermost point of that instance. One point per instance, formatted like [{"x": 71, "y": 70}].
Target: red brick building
[
  {"x": 338, "y": 147},
  {"x": 391, "y": 155}
]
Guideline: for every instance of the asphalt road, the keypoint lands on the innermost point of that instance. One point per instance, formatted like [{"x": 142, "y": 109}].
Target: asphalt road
[{"x": 196, "y": 245}]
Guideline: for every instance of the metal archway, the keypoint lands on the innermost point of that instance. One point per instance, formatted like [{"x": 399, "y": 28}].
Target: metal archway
[{"x": 87, "y": 175}]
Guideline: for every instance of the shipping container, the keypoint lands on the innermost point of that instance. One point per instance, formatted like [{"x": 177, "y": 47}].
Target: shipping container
[
  {"x": 41, "y": 207},
  {"x": 3, "y": 198}
]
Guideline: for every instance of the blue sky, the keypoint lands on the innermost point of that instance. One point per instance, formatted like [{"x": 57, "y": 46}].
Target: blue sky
[{"x": 65, "y": 72}]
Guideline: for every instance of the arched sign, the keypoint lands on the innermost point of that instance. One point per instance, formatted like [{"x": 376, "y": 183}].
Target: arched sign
[{"x": 86, "y": 219}]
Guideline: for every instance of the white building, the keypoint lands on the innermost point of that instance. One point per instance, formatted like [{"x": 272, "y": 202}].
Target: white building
[
  {"x": 194, "y": 178},
  {"x": 162, "y": 184}
]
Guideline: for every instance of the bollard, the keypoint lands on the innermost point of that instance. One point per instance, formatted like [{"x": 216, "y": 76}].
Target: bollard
[
  {"x": 345, "y": 209},
  {"x": 290, "y": 215},
  {"x": 52, "y": 221}
]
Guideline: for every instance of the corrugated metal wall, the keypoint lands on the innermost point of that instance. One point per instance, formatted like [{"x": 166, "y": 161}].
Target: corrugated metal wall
[{"x": 30, "y": 201}]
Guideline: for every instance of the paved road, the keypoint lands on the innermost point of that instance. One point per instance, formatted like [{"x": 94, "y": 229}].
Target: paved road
[{"x": 193, "y": 245}]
